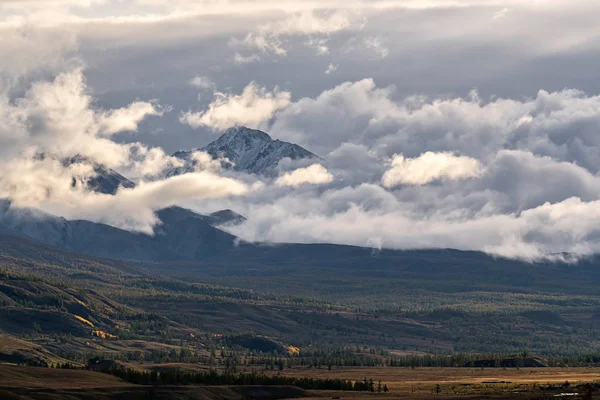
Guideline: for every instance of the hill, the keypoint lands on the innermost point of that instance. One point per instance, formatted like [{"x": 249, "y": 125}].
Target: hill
[
  {"x": 262, "y": 301},
  {"x": 183, "y": 234}
]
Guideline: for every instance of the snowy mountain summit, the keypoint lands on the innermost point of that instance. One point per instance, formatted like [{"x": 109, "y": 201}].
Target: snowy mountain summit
[{"x": 248, "y": 150}]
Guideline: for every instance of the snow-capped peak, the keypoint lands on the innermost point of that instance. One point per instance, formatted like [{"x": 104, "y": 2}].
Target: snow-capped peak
[{"x": 248, "y": 150}]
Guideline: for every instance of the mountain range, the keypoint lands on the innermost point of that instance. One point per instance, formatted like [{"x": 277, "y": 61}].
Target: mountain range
[
  {"x": 72, "y": 283},
  {"x": 182, "y": 234}
]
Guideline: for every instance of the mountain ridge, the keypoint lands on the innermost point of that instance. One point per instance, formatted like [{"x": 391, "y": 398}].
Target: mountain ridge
[
  {"x": 182, "y": 234},
  {"x": 249, "y": 150}
]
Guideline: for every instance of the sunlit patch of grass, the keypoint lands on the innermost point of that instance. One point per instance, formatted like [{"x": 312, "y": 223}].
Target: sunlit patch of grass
[{"x": 85, "y": 321}]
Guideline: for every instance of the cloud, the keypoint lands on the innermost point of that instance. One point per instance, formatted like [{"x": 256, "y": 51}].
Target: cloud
[
  {"x": 373, "y": 45},
  {"x": 252, "y": 107},
  {"x": 486, "y": 158},
  {"x": 127, "y": 118},
  {"x": 133, "y": 209},
  {"x": 501, "y": 13},
  {"x": 270, "y": 37},
  {"x": 202, "y": 82},
  {"x": 54, "y": 120},
  {"x": 320, "y": 45},
  {"x": 240, "y": 59},
  {"x": 537, "y": 186},
  {"x": 557, "y": 124},
  {"x": 27, "y": 50},
  {"x": 429, "y": 167},
  {"x": 376, "y": 45},
  {"x": 315, "y": 174},
  {"x": 331, "y": 68}
]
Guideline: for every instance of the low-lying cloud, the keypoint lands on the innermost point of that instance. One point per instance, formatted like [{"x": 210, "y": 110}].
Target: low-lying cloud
[
  {"x": 429, "y": 167},
  {"x": 251, "y": 108},
  {"x": 315, "y": 174},
  {"x": 56, "y": 120}
]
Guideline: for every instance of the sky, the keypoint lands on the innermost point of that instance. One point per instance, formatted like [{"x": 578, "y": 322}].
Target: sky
[{"x": 440, "y": 123}]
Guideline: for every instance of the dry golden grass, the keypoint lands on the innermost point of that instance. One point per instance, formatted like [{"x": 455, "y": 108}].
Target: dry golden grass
[
  {"x": 455, "y": 381},
  {"x": 50, "y": 378}
]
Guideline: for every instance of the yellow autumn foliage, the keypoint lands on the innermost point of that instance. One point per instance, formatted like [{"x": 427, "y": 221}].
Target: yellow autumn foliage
[
  {"x": 103, "y": 335},
  {"x": 293, "y": 350},
  {"x": 85, "y": 321}
]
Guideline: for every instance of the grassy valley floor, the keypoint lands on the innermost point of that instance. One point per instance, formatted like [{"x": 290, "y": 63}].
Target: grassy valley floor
[{"x": 19, "y": 382}]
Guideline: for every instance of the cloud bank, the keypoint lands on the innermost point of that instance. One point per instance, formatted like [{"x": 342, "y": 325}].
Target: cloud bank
[
  {"x": 55, "y": 120},
  {"x": 378, "y": 89}
]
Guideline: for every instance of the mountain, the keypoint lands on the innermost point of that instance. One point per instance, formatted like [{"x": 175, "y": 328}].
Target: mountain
[
  {"x": 108, "y": 181},
  {"x": 225, "y": 217},
  {"x": 183, "y": 235},
  {"x": 247, "y": 149},
  {"x": 105, "y": 181}
]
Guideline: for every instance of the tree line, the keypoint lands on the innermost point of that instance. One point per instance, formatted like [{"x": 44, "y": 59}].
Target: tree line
[{"x": 226, "y": 378}]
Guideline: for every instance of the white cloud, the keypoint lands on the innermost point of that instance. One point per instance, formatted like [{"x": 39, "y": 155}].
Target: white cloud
[
  {"x": 309, "y": 22},
  {"x": 371, "y": 45},
  {"x": 557, "y": 124},
  {"x": 241, "y": 60},
  {"x": 429, "y": 167},
  {"x": 127, "y": 118},
  {"x": 315, "y": 174},
  {"x": 376, "y": 44},
  {"x": 57, "y": 119},
  {"x": 270, "y": 38},
  {"x": 320, "y": 45},
  {"x": 501, "y": 13},
  {"x": 331, "y": 68},
  {"x": 518, "y": 140},
  {"x": 252, "y": 107},
  {"x": 202, "y": 82},
  {"x": 31, "y": 51}
]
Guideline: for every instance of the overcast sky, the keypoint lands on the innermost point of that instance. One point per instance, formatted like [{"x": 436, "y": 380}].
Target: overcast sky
[{"x": 442, "y": 123}]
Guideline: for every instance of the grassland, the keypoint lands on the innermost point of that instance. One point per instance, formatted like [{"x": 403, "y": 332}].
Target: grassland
[
  {"x": 423, "y": 381},
  {"x": 35, "y": 383},
  {"x": 403, "y": 383}
]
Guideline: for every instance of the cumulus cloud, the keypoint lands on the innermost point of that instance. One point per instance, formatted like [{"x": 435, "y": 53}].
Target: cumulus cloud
[
  {"x": 559, "y": 124},
  {"x": 315, "y": 174},
  {"x": 127, "y": 118},
  {"x": 515, "y": 174},
  {"x": 55, "y": 120},
  {"x": 429, "y": 167},
  {"x": 486, "y": 158},
  {"x": 252, "y": 107}
]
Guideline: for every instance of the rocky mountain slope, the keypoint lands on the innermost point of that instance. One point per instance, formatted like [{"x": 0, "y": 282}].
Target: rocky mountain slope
[{"x": 248, "y": 150}]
